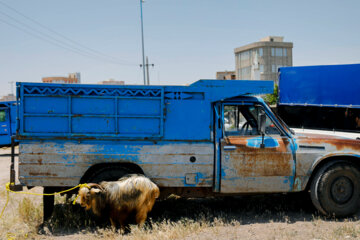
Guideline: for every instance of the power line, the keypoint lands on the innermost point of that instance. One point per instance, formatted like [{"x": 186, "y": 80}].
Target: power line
[
  {"x": 57, "y": 33},
  {"x": 88, "y": 53},
  {"x": 44, "y": 39}
]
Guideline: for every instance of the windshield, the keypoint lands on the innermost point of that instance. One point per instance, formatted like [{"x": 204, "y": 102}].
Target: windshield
[{"x": 282, "y": 123}]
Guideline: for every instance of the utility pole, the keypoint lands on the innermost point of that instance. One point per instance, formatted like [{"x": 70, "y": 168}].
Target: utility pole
[
  {"x": 142, "y": 38},
  {"x": 147, "y": 70}
]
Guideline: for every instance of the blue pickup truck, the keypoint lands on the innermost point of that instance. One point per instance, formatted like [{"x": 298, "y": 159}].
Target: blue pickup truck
[
  {"x": 211, "y": 138},
  {"x": 7, "y": 122}
]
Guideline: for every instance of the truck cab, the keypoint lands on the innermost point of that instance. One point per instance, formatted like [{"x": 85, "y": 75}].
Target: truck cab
[
  {"x": 211, "y": 138},
  {"x": 251, "y": 160},
  {"x": 7, "y": 122},
  {"x": 261, "y": 154}
]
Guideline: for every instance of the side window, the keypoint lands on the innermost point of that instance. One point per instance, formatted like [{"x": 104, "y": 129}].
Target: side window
[
  {"x": 2, "y": 116},
  {"x": 242, "y": 120},
  {"x": 270, "y": 127}
]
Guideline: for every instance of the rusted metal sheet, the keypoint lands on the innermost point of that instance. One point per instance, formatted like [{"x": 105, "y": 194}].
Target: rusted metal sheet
[
  {"x": 64, "y": 163},
  {"x": 313, "y": 148},
  {"x": 248, "y": 168}
]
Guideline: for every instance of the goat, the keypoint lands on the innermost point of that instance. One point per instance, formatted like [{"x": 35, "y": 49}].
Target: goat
[{"x": 132, "y": 194}]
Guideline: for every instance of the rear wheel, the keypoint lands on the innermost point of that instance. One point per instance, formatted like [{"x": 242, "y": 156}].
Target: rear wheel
[
  {"x": 336, "y": 190},
  {"x": 48, "y": 202},
  {"x": 110, "y": 173}
]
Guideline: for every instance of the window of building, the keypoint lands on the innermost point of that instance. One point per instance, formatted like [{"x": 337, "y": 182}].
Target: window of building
[
  {"x": 245, "y": 56},
  {"x": 261, "y": 52},
  {"x": 245, "y": 72},
  {"x": 261, "y": 68},
  {"x": 273, "y": 68},
  {"x": 278, "y": 52}
]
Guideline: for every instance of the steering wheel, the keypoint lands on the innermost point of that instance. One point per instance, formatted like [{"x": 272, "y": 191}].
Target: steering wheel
[{"x": 244, "y": 128}]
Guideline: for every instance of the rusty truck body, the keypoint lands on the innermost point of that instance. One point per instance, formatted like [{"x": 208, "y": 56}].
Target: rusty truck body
[{"x": 210, "y": 138}]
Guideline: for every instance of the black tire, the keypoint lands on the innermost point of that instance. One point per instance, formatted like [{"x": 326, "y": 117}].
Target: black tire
[
  {"x": 314, "y": 189},
  {"x": 336, "y": 190},
  {"x": 110, "y": 173}
]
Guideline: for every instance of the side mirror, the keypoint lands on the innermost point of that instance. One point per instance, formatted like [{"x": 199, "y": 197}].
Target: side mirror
[
  {"x": 261, "y": 126},
  {"x": 262, "y": 123}
]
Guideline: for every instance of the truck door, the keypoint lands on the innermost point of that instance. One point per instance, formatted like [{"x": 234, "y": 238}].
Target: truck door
[
  {"x": 246, "y": 165},
  {"x": 4, "y": 121}
]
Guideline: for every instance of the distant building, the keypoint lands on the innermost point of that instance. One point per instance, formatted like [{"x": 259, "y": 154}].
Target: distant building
[
  {"x": 112, "y": 82},
  {"x": 9, "y": 97},
  {"x": 72, "y": 78},
  {"x": 261, "y": 60},
  {"x": 227, "y": 75}
]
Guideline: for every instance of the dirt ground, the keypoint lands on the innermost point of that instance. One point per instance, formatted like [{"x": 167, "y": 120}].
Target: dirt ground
[{"x": 276, "y": 216}]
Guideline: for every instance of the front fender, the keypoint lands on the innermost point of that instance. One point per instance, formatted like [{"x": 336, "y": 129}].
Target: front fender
[
  {"x": 333, "y": 156},
  {"x": 308, "y": 164}
]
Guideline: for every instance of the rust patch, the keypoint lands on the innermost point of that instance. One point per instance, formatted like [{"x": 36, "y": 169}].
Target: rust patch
[
  {"x": 42, "y": 174},
  {"x": 339, "y": 144},
  {"x": 252, "y": 162}
]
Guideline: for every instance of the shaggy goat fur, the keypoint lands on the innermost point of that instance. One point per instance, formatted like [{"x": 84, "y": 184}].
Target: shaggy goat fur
[{"x": 132, "y": 194}]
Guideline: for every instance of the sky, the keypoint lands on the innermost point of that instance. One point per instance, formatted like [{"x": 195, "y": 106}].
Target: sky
[{"x": 187, "y": 40}]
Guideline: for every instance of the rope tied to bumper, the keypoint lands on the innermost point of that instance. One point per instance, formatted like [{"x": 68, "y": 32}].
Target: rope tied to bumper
[{"x": 8, "y": 190}]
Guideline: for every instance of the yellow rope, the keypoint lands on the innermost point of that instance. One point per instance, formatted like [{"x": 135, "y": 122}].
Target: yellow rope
[
  {"x": 7, "y": 201},
  {"x": 8, "y": 190},
  {"x": 46, "y": 194}
]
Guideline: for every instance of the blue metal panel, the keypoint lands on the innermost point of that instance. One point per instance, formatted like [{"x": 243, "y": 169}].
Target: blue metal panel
[
  {"x": 87, "y": 111},
  {"x": 332, "y": 85},
  {"x": 187, "y": 120},
  {"x": 90, "y": 125},
  {"x": 161, "y": 112},
  {"x": 139, "y": 107},
  {"x": 136, "y": 126},
  {"x": 42, "y": 124},
  {"x": 90, "y": 105},
  {"x": 46, "y": 105}
]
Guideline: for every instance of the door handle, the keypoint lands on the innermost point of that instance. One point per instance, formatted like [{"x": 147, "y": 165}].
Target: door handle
[{"x": 231, "y": 147}]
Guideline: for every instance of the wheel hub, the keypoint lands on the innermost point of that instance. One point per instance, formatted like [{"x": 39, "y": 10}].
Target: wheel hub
[{"x": 342, "y": 190}]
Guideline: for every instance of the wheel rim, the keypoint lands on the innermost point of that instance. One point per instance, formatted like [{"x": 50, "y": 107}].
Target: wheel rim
[{"x": 342, "y": 190}]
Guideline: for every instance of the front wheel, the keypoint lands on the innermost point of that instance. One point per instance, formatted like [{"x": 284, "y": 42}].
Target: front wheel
[{"x": 336, "y": 190}]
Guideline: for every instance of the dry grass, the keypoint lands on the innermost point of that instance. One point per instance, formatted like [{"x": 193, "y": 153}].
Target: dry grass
[
  {"x": 20, "y": 219},
  {"x": 256, "y": 217},
  {"x": 29, "y": 213}
]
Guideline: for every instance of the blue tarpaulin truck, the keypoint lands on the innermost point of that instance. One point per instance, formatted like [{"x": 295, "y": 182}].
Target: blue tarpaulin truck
[
  {"x": 320, "y": 97},
  {"x": 7, "y": 122},
  {"x": 210, "y": 138}
]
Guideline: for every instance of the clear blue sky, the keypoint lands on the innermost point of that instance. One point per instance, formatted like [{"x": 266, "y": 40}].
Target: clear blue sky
[{"x": 187, "y": 40}]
